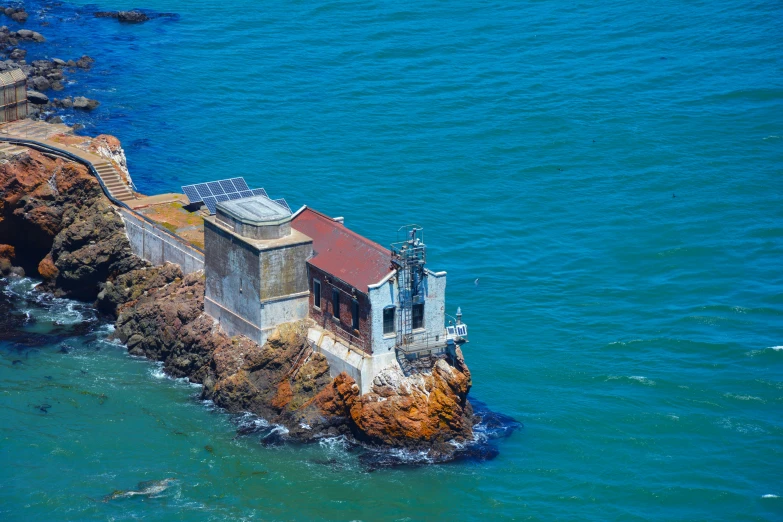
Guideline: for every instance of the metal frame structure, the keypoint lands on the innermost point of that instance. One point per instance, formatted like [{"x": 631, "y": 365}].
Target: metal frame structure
[{"x": 408, "y": 257}]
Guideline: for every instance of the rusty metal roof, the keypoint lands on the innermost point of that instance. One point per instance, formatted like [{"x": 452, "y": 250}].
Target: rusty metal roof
[
  {"x": 342, "y": 252},
  {"x": 12, "y": 77}
]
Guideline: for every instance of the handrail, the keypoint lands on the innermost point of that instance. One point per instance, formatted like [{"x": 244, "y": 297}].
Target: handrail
[{"x": 37, "y": 145}]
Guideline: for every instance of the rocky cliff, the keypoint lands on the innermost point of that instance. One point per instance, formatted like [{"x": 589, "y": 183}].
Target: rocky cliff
[{"x": 56, "y": 223}]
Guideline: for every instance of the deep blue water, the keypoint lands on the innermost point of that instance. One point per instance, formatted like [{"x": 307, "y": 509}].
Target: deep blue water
[{"x": 636, "y": 335}]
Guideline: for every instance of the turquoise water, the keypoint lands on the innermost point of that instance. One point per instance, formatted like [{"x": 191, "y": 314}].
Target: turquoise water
[{"x": 636, "y": 335}]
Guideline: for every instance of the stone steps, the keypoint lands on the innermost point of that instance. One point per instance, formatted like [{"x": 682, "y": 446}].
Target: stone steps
[{"x": 113, "y": 181}]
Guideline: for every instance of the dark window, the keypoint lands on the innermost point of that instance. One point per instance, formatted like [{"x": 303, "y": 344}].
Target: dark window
[
  {"x": 418, "y": 316},
  {"x": 316, "y": 293},
  {"x": 355, "y": 314},
  {"x": 388, "y": 320},
  {"x": 336, "y": 303}
]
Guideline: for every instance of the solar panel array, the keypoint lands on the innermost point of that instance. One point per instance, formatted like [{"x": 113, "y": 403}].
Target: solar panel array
[{"x": 215, "y": 192}]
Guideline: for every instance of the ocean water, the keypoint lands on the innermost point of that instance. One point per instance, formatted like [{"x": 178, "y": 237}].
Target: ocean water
[{"x": 636, "y": 335}]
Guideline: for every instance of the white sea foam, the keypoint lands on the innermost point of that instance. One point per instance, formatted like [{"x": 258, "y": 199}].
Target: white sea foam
[
  {"x": 743, "y": 397},
  {"x": 339, "y": 443},
  {"x": 769, "y": 495},
  {"x": 729, "y": 424},
  {"x": 638, "y": 378},
  {"x": 769, "y": 349}
]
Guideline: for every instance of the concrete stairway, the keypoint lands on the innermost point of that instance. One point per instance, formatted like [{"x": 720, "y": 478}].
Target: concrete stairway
[{"x": 111, "y": 178}]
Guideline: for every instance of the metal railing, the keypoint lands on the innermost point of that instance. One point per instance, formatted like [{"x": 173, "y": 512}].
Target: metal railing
[{"x": 337, "y": 330}]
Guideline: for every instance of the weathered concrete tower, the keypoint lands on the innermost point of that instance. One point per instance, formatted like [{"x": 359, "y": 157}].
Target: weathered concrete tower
[{"x": 255, "y": 267}]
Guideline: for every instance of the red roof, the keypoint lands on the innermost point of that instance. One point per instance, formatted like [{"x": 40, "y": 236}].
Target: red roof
[{"x": 342, "y": 252}]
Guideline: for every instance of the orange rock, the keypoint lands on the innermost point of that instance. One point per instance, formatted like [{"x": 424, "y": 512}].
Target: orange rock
[
  {"x": 7, "y": 252},
  {"x": 46, "y": 268},
  {"x": 284, "y": 395}
]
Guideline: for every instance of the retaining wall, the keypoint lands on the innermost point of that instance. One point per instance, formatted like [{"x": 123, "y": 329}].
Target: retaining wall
[{"x": 157, "y": 245}]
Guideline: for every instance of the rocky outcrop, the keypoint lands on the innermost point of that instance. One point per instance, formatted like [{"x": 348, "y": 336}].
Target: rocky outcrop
[
  {"x": 61, "y": 226},
  {"x": 85, "y": 104},
  {"x": 134, "y": 284},
  {"x": 37, "y": 98},
  {"x": 287, "y": 383},
  {"x": 17, "y": 14},
  {"x": 110, "y": 148}
]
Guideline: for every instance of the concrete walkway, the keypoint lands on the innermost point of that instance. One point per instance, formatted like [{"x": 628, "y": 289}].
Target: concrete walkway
[{"x": 41, "y": 132}]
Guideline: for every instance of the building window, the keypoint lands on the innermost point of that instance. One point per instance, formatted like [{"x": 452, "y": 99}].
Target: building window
[
  {"x": 418, "y": 316},
  {"x": 316, "y": 294},
  {"x": 388, "y": 320},
  {"x": 336, "y": 303},
  {"x": 355, "y": 314}
]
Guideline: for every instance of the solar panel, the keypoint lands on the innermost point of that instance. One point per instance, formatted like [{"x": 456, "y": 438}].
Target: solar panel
[
  {"x": 240, "y": 184},
  {"x": 238, "y": 195},
  {"x": 282, "y": 203},
  {"x": 210, "y": 202},
  {"x": 215, "y": 187},
  {"x": 192, "y": 194},
  {"x": 227, "y": 186},
  {"x": 203, "y": 191},
  {"x": 214, "y": 192}
]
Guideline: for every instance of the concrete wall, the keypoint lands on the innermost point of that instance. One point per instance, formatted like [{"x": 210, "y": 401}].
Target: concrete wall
[
  {"x": 157, "y": 245},
  {"x": 232, "y": 274},
  {"x": 435, "y": 305},
  {"x": 283, "y": 270},
  {"x": 381, "y": 296},
  {"x": 360, "y": 366},
  {"x": 385, "y": 294},
  {"x": 253, "y": 286}
]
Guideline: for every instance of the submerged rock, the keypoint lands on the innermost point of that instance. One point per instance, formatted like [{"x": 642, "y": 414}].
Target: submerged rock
[{"x": 130, "y": 17}]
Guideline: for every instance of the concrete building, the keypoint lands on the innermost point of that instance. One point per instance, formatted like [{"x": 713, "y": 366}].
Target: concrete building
[
  {"x": 369, "y": 308},
  {"x": 255, "y": 266}
]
